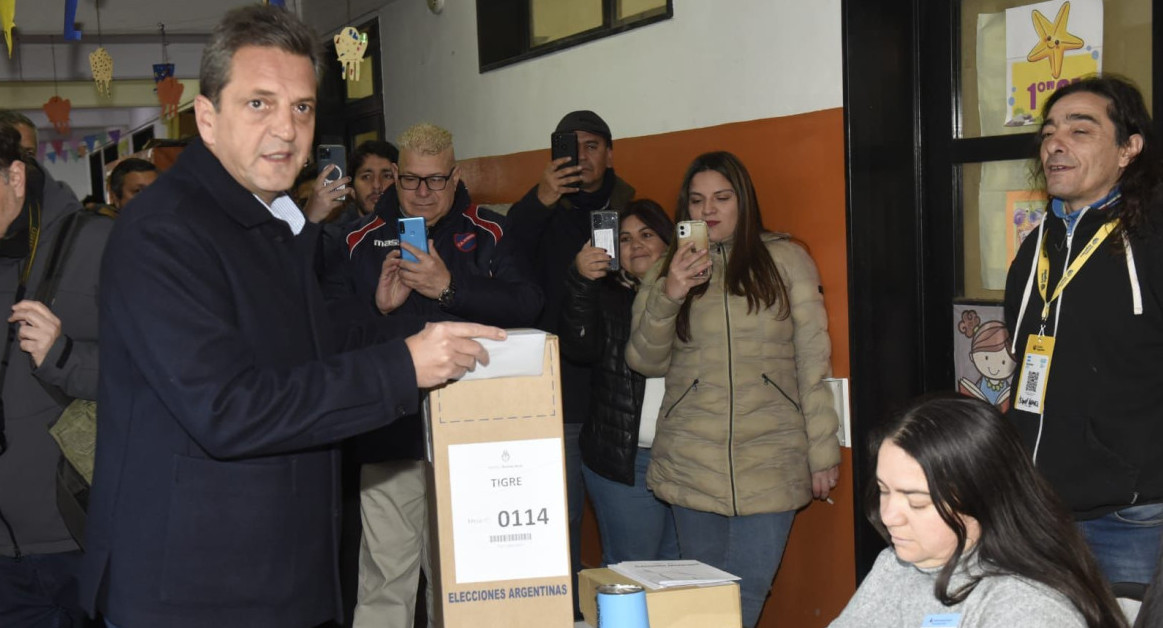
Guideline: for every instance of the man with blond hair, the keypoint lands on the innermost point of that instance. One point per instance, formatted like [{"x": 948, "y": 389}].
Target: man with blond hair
[{"x": 460, "y": 277}]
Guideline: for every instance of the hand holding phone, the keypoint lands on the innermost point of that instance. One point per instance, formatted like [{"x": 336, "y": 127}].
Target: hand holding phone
[
  {"x": 564, "y": 144},
  {"x": 332, "y": 155},
  {"x": 591, "y": 262},
  {"x": 693, "y": 231},
  {"x": 604, "y": 234},
  {"x": 562, "y": 174},
  {"x": 414, "y": 232},
  {"x": 691, "y": 264}
]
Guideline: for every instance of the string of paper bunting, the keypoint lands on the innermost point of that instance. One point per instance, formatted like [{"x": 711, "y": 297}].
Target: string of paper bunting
[{"x": 78, "y": 147}]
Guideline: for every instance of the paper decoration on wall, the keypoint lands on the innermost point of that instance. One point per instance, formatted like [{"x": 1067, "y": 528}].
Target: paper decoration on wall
[
  {"x": 57, "y": 109},
  {"x": 1043, "y": 55},
  {"x": 162, "y": 71},
  {"x": 101, "y": 63},
  {"x": 8, "y": 20},
  {"x": 65, "y": 149},
  {"x": 350, "y": 44},
  {"x": 71, "y": 32},
  {"x": 169, "y": 90},
  {"x": 169, "y": 94},
  {"x": 1053, "y": 39},
  {"x": 982, "y": 361}
]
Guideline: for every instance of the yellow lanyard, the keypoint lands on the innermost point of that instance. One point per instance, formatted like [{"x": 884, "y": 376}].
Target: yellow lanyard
[
  {"x": 33, "y": 241},
  {"x": 1072, "y": 270}
]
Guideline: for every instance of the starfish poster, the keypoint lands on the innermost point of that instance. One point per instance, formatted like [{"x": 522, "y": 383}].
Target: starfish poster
[{"x": 1048, "y": 45}]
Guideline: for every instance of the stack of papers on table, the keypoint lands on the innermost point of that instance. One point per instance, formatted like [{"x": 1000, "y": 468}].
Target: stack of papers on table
[{"x": 662, "y": 574}]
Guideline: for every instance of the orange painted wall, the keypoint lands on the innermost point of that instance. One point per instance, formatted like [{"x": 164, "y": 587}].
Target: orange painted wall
[{"x": 797, "y": 163}]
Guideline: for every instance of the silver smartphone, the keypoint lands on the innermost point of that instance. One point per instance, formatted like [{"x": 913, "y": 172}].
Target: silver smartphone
[{"x": 604, "y": 234}]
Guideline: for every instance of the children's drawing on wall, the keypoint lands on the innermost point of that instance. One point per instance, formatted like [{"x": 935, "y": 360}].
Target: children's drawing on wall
[
  {"x": 1024, "y": 209},
  {"x": 983, "y": 362}
]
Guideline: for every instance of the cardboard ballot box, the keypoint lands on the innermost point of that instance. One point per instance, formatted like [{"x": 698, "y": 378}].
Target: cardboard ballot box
[
  {"x": 500, "y": 491},
  {"x": 715, "y": 606}
]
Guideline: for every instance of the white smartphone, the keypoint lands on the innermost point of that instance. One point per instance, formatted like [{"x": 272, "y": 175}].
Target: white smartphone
[{"x": 694, "y": 231}]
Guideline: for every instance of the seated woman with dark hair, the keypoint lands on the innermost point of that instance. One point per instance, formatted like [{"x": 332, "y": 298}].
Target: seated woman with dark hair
[{"x": 977, "y": 536}]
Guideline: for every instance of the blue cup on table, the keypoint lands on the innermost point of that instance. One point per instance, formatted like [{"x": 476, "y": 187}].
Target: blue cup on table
[{"x": 622, "y": 606}]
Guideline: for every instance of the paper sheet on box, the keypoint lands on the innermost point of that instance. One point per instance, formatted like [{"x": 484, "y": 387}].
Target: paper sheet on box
[
  {"x": 520, "y": 354},
  {"x": 661, "y": 574},
  {"x": 508, "y": 517}
]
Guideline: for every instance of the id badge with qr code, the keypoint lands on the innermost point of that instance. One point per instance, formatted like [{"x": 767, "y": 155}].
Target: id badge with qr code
[{"x": 1035, "y": 369}]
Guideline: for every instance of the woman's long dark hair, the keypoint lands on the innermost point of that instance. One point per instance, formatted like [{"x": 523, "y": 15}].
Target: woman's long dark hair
[
  {"x": 750, "y": 271},
  {"x": 976, "y": 467}
]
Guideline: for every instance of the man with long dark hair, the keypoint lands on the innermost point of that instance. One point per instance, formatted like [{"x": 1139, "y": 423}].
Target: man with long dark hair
[{"x": 1082, "y": 298}]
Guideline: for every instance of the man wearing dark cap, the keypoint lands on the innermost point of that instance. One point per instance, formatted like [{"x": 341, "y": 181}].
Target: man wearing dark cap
[{"x": 550, "y": 224}]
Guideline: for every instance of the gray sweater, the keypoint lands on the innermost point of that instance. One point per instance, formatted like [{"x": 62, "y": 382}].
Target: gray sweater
[{"x": 896, "y": 593}]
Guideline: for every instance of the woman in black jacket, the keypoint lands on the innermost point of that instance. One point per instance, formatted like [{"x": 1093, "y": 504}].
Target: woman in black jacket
[{"x": 616, "y": 437}]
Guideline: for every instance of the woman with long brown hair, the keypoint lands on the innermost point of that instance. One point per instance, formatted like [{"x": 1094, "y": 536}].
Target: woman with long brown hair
[
  {"x": 977, "y": 537},
  {"x": 746, "y": 434}
]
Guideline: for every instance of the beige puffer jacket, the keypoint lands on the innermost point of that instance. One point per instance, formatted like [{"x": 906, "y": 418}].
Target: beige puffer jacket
[{"x": 746, "y": 418}]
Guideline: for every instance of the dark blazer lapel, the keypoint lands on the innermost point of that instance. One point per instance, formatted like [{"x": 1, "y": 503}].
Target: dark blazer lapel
[{"x": 229, "y": 195}]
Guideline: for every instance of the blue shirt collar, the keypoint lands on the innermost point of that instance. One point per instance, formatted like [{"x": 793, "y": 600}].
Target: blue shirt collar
[{"x": 1058, "y": 207}]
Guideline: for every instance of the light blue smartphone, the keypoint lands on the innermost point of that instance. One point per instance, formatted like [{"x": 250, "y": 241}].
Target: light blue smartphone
[{"x": 413, "y": 231}]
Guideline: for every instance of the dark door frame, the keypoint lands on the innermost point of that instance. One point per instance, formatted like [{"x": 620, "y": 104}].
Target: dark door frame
[{"x": 904, "y": 221}]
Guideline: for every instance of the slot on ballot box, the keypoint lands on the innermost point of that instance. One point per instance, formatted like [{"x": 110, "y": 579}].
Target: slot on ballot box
[{"x": 495, "y": 440}]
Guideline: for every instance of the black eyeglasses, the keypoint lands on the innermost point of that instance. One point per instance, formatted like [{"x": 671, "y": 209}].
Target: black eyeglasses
[{"x": 435, "y": 183}]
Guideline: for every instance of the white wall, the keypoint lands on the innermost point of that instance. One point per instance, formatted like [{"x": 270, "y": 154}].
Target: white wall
[
  {"x": 716, "y": 61},
  {"x": 75, "y": 173}
]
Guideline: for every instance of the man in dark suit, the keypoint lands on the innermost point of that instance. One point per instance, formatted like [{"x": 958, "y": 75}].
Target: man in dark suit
[{"x": 223, "y": 391}]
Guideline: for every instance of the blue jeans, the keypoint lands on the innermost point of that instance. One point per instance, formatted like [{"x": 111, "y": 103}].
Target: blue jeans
[
  {"x": 575, "y": 496},
  {"x": 749, "y": 546},
  {"x": 40, "y": 591},
  {"x": 634, "y": 524},
  {"x": 1126, "y": 542}
]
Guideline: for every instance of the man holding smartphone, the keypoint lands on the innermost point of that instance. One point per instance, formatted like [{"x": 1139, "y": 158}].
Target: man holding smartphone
[
  {"x": 460, "y": 275},
  {"x": 549, "y": 225}
]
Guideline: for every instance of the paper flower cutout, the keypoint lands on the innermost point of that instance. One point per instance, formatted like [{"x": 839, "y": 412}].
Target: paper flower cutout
[
  {"x": 1054, "y": 41},
  {"x": 57, "y": 110},
  {"x": 169, "y": 94},
  {"x": 102, "y": 66},
  {"x": 350, "y": 45}
]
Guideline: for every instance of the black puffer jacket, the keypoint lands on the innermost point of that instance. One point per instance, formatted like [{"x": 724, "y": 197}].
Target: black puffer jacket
[
  {"x": 550, "y": 237},
  {"x": 594, "y": 328}
]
